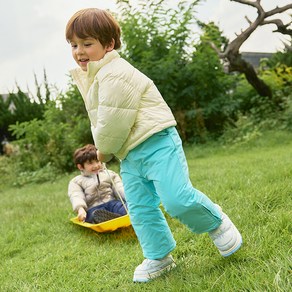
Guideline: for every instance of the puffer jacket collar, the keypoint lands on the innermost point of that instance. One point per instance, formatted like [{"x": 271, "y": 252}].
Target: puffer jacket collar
[{"x": 84, "y": 79}]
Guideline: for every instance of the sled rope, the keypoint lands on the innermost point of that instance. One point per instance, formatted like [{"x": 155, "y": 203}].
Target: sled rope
[{"x": 115, "y": 187}]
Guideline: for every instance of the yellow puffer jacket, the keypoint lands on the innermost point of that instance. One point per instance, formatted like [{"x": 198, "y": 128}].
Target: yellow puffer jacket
[{"x": 124, "y": 106}]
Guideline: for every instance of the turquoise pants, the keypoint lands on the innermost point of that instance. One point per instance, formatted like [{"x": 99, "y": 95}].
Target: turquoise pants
[{"x": 156, "y": 172}]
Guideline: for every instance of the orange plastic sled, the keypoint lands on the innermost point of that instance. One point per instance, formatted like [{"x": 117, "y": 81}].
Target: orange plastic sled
[{"x": 107, "y": 226}]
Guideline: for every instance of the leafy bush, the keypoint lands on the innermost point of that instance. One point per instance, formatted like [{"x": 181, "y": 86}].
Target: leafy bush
[
  {"x": 282, "y": 57},
  {"x": 257, "y": 114},
  {"x": 242, "y": 131},
  {"x": 21, "y": 107},
  {"x": 189, "y": 75},
  {"x": 46, "y": 173},
  {"x": 52, "y": 140}
]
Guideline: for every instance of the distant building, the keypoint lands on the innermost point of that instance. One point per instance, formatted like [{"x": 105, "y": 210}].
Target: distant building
[
  {"x": 5, "y": 97},
  {"x": 254, "y": 58}
]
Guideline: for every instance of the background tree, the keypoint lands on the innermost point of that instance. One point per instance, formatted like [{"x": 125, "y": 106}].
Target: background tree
[
  {"x": 188, "y": 73},
  {"x": 51, "y": 141},
  {"x": 5, "y": 118},
  {"x": 284, "y": 57},
  {"x": 22, "y": 106},
  {"x": 231, "y": 51}
]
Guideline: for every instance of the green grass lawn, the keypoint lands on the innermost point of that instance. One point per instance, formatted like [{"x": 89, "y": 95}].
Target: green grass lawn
[{"x": 41, "y": 250}]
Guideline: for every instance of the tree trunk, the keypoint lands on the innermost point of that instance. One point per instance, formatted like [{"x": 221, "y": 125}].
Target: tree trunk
[
  {"x": 240, "y": 65},
  {"x": 231, "y": 52}
]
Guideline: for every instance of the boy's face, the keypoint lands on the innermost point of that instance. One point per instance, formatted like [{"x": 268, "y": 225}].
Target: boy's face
[
  {"x": 86, "y": 50},
  {"x": 92, "y": 166}
]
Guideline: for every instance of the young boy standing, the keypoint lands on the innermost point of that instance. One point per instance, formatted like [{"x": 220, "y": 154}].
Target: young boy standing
[
  {"x": 130, "y": 120},
  {"x": 92, "y": 194}
]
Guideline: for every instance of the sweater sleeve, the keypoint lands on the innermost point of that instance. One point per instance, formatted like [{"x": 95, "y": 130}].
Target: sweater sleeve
[
  {"x": 76, "y": 195},
  {"x": 117, "y": 111}
]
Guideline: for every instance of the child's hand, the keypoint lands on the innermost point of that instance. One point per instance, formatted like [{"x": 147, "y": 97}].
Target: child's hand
[{"x": 81, "y": 214}]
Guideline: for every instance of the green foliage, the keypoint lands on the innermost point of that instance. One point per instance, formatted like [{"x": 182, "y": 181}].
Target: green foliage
[
  {"x": 287, "y": 117},
  {"x": 242, "y": 131},
  {"x": 256, "y": 114},
  {"x": 51, "y": 141},
  {"x": 25, "y": 108},
  {"x": 20, "y": 107},
  {"x": 5, "y": 116},
  {"x": 211, "y": 86},
  {"x": 284, "y": 57},
  {"x": 157, "y": 45},
  {"x": 7, "y": 170},
  {"x": 41, "y": 175}
]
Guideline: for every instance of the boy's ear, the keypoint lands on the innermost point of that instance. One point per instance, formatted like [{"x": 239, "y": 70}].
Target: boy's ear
[
  {"x": 80, "y": 167},
  {"x": 111, "y": 46}
]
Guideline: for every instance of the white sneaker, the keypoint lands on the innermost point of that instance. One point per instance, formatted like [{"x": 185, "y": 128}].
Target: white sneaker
[
  {"x": 150, "y": 269},
  {"x": 226, "y": 237}
]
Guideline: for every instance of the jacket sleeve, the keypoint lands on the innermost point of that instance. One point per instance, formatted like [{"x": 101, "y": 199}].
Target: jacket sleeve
[
  {"x": 76, "y": 195},
  {"x": 117, "y": 111}
]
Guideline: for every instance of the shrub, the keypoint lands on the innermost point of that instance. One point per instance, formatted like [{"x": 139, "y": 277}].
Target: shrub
[
  {"x": 187, "y": 72},
  {"x": 52, "y": 140}
]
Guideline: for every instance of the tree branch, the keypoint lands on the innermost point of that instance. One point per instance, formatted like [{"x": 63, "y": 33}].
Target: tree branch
[
  {"x": 277, "y": 10},
  {"x": 250, "y": 3},
  {"x": 231, "y": 52},
  {"x": 259, "y": 21},
  {"x": 281, "y": 27}
]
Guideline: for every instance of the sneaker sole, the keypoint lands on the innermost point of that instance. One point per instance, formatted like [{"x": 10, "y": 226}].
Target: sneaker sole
[
  {"x": 101, "y": 215},
  {"x": 238, "y": 242},
  {"x": 154, "y": 275}
]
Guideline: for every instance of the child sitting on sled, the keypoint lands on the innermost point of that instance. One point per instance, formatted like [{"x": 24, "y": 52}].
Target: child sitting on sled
[{"x": 92, "y": 194}]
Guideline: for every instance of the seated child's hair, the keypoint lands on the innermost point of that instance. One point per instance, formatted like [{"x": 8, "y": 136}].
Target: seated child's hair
[
  {"x": 86, "y": 153},
  {"x": 95, "y": 23}
]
